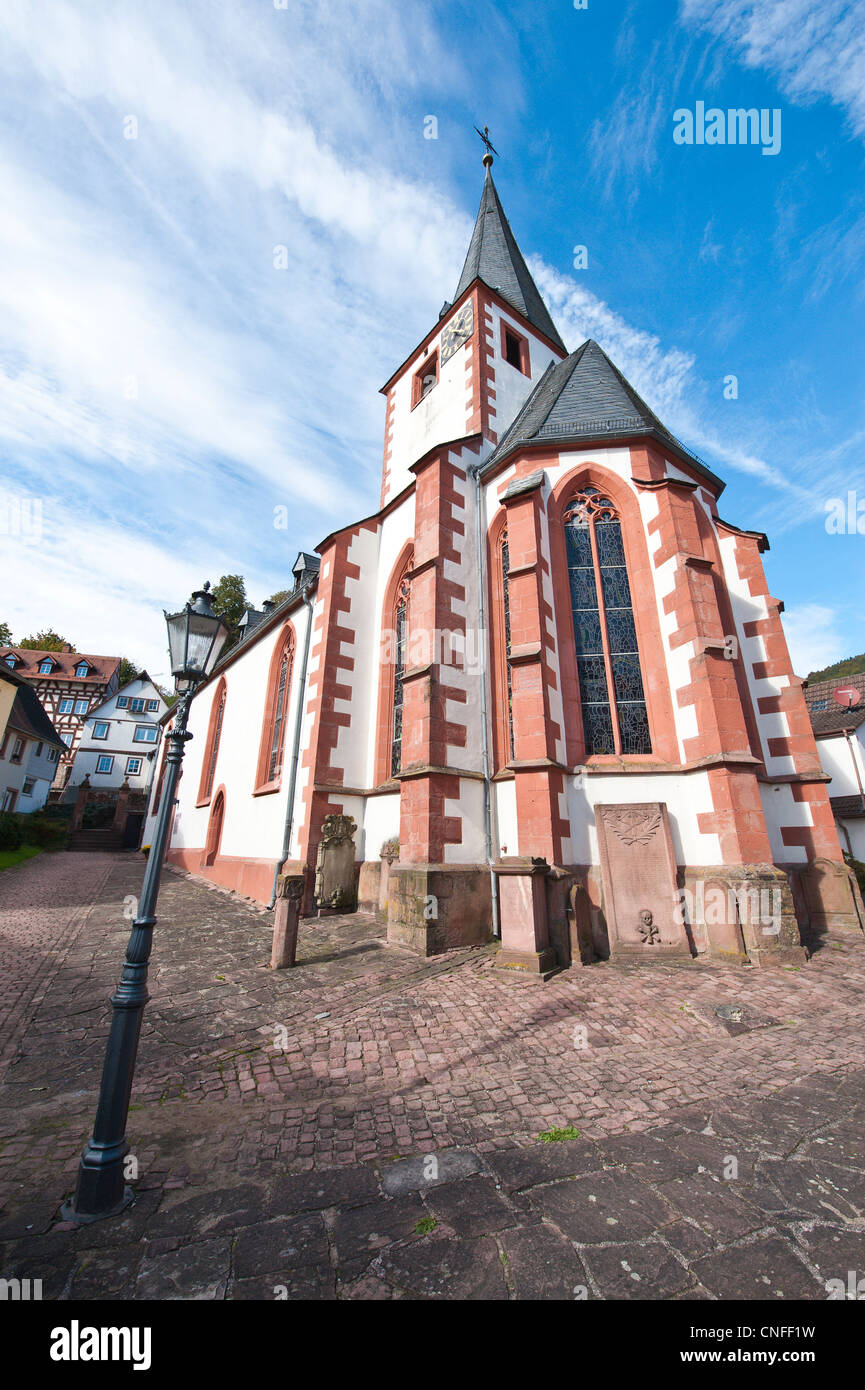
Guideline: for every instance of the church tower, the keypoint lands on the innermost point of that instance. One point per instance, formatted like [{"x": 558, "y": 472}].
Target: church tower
[{"x": 473, "y": 370}]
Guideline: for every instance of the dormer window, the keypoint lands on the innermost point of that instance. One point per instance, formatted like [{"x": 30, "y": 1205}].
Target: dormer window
[
  {"x": 425, "y": 378},
  {"x": 82, "y": 669},
  {"x": 46, "y": 667},
  {"x": 11, "y": 661},
  {"x": 515, "y": 349}
]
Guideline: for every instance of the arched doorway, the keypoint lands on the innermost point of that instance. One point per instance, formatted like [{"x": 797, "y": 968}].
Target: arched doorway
[{"x": 214, "y": 829}]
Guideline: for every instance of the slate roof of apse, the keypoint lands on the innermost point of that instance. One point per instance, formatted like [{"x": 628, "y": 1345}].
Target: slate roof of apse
[
  {"x": 587, "y": 397},
  {"x": 836, "y": 718},
  {"x": 29, "y": 718},
  {"x": 102, "y": 667},
  {"x": 494, "y": 257},
  {"x": 847, "y": 806}
]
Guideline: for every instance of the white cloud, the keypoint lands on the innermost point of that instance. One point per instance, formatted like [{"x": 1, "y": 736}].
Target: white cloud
[
  {"x": 813, "y": 48},
  {"x": 816, "y": 639}
]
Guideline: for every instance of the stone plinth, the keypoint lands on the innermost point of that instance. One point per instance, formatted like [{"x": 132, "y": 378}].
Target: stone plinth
[
  {"x": 436, "y": 907},
  {"x": 523, "y": 917},
  {"x": 831, "y": 896},
  {"x": 742, "y": 913},
  {"x": 638, "y": 868},
  {"x": 286, "y": 920}
]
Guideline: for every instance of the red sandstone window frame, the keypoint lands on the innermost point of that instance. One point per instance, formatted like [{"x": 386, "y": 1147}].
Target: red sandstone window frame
[
  {"x": 285, "y": 648},
  {"x": 502, "y": 751},
  {"x": 525, "y": 362},
  {"x": 659, "y": 710},
  {"x": 211, "y": 745},
  {"x": 417, "y": 392},
  {"x": 384, "y": 720}
]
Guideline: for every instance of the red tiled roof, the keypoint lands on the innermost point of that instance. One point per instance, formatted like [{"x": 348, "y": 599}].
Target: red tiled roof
[
  {"x": 824, "y": 690},
  {"x": 103, "y": 667}
]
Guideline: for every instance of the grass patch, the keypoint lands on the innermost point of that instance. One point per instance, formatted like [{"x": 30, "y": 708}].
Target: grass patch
[
  {"x": 425, "y": 1226},
  {"x": 10, "y": 857},
  {"x": 558, "y": 1136}
]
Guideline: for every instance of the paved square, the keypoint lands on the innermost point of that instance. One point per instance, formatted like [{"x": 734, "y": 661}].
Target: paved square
[{"x": 365, "y": 1125}]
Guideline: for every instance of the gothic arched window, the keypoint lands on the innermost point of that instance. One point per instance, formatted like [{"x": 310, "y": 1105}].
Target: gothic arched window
[
  {"x": 400, "y": 629},
  {"x": 211, "y": 747},
  {"x": 612, "y": 697},
  {"x": 505, "y": 560},
  {"x": 270, "y": 753}
]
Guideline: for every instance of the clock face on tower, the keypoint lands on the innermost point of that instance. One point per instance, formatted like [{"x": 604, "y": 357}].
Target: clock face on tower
[{"x": 458, "y": 331}]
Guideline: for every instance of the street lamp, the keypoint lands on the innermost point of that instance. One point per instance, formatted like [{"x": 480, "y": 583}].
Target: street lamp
[{"x": 196, "y": 636}]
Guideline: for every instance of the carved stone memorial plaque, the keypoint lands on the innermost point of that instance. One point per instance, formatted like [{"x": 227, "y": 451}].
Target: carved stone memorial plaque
[
  {"x": 638, "y": 868},
  {"x": 334, "y": 870}
]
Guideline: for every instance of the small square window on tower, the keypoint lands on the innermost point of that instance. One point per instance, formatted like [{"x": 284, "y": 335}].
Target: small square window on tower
[
  {"x": 425, "y": 378},
  {"x": 515, "y": 349}
]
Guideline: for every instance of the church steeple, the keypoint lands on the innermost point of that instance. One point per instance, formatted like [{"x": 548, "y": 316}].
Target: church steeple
[{"x": 495, "y": 258}]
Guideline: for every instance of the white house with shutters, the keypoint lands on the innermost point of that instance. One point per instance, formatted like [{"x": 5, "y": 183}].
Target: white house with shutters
[{"x": 121, "y": 738}]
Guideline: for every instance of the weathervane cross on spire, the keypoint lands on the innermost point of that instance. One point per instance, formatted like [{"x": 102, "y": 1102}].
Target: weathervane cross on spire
[{"x": 489, "y": 147}]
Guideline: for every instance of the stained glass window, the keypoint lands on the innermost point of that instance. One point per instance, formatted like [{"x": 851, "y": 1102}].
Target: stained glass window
[
  {"x": 613, "y": 701},
  {"x": 506, "y": 569},
  {"x": 274, "y": 766},
  {"x": 399, "y": 672},
  {"x": 214, "y": 746}
]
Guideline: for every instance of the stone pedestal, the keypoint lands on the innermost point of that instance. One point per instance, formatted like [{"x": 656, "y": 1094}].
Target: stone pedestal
[
  {"x": 525, "y": 929},
  {"x": 831, "y": 896},
  {"x": 742, "y": 913},
  {"x": 436, "y": 907},
  {"x": 638, "y": 868},
  {"x": 286, "y": 920},
  {"x": 80, "y": 802}
]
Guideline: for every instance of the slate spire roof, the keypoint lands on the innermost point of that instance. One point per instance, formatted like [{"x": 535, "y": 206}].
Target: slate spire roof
[
  {"x": 495, "y": 258},
  {"x": 586, "y": 397}
]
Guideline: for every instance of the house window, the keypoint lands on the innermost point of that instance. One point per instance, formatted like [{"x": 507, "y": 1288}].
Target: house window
[
  {"x": 152, "y": 706},
  {"x": 425, "y": 378},
  {"x": 273, "y": 726},
  {"x": 82, "y": 706},
  {"x": 82, "y": 669},
  {"x": 613, "y": 701},
  {"x": 133, "y": 767},
  {"x": 9, "y": 798},
  {"x": 820, "y": 704},
  {"x": 100, "y": 730},
  {"x": 17, "y": 751},
  {"x": 211, "y": 748},
  {"x": 29, "y": 784},
  {"x": 53, "y": 754},
  {"x": 45, "y": 668},
  {"x": 398, "y": 674},
  {"x": 515, "y": 349},
  {"x": 105, "y": 762},
  {"x": 67, "y": 706},
  {"x": 145, "y": 733},
  {"x": 10, "y": 661},
  {"x": 137, "y": 706},
  {"x": 39, "y": 748},
  {"x": 67, "y": 739},
  {"x": 122, "y": 701}
]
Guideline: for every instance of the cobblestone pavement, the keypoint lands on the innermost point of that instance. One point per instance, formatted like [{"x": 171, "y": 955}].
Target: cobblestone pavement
[{"x": 365, "y": 1126}]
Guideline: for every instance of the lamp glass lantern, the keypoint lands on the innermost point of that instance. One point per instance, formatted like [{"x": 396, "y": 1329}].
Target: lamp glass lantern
[{"x": 196, "y": 636}]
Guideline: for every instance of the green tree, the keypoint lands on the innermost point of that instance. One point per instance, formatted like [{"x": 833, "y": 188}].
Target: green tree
[
  {"x": 278, "y": 596},
  {"x": 5, "y": 635},
  {"x": 46, "y": 640},
  {"x": 128, "y": 672},
  {"x": 230, "y": 601},
  {"x": 850, "y": 666}
]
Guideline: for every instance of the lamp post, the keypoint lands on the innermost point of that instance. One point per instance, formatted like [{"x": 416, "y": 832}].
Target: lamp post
[{"x": 196, "y": 636}]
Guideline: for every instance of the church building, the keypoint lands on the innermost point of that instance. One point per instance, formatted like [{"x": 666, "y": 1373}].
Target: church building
[{"x": 543, "y": 689}]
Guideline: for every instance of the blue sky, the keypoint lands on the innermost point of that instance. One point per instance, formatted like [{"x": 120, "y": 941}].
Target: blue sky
[{"x": 163, "y": 386}]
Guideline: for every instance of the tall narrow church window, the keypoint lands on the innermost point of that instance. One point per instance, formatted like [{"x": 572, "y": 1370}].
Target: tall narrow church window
[
  {"x": 506, "y": 569},
  {"x": 276, "y": 703},
  {"x": 613, "y": 701},
  {"x": 398, "y": 673},
  {"x": 211, "y": 748}
]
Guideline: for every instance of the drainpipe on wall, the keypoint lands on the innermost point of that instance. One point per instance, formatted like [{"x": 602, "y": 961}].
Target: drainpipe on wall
[
  {"x": 485, "y": 738},
  {"x": 295, "y": 755},
  {"x": 852, "y": 750}
]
